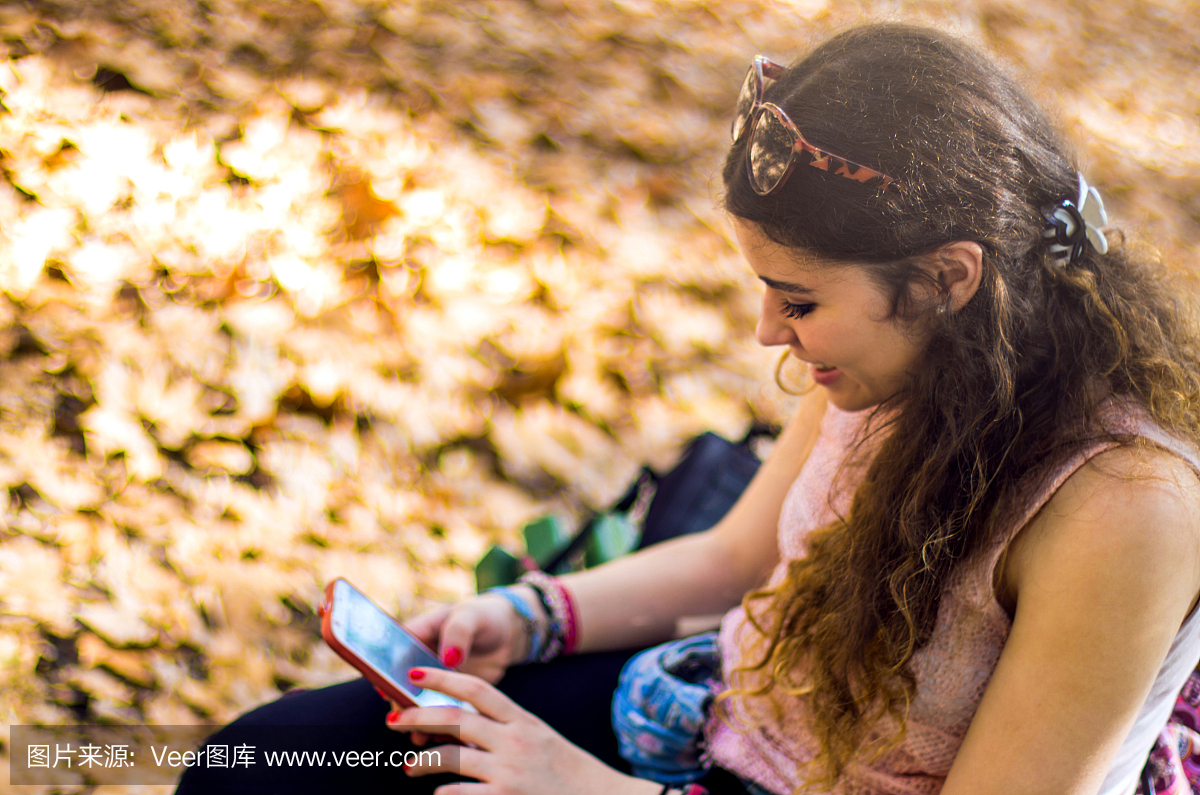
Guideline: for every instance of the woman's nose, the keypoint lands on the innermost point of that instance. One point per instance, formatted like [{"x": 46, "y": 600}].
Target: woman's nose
[{"x": 772, "y": 329}]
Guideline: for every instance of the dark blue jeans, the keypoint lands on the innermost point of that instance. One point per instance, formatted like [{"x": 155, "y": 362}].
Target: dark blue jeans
[{"x": 572, "y": 694}]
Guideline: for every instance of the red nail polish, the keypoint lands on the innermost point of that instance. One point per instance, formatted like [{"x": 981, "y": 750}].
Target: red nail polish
[
  {"x": 393, "y": 716},
  {"x": 452, "y": 657},
  {"x": 416, "y": 674},
  {"x": 382, "y": 694}
]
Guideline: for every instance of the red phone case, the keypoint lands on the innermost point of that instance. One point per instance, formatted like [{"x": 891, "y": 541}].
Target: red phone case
[{"x": 324, "y": 610}]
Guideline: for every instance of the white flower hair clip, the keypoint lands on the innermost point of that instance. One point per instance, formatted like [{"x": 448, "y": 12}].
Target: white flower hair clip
[{"x": 1072, "y": 223}]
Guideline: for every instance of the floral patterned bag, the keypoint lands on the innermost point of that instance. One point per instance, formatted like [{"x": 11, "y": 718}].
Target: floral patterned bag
[
  {"x": 660, "y": 705},
  {"x": 1174, "y": 764}
]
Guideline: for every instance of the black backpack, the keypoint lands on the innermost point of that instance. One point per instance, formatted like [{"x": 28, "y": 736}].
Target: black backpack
[{"x": 692, "y": 497}]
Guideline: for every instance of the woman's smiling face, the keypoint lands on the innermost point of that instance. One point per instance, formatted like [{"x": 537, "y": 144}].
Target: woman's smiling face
[{"x": 830, "y": 316}]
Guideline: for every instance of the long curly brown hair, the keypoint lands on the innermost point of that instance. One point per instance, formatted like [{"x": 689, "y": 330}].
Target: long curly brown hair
[{"x": 1002, "y": 381}]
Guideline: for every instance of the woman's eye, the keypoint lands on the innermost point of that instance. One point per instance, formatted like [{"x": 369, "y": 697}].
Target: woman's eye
[{"x": 797, "y": 310}]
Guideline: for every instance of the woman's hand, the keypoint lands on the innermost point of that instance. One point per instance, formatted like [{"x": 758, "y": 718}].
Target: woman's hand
[
  {"x": 514, "y": 753},
  {"x": 482, "y": 635}
]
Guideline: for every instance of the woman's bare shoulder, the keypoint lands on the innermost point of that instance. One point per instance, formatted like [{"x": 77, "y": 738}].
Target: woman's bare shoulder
[
  {"x": 1155, "y": 491},
  {"x": 1104, "y": 575},
  {"x": 1134, "y": 508}
]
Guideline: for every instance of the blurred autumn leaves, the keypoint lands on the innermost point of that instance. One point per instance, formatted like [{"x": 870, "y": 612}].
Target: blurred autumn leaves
[
  {"x": 285, "y": 308},
  {"x": 305, "y": 289}
]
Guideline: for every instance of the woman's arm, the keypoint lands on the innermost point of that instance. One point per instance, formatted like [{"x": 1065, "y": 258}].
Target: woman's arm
[
  {"x": 638, "y": 600},
  {"x": 1102, "y": 578}
]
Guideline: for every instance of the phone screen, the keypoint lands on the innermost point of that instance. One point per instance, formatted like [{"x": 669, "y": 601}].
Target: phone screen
[{"x": 360, "y": 625}]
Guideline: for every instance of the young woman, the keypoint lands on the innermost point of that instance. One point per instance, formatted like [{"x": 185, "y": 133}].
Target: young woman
[{"x": 979, "y": 535}]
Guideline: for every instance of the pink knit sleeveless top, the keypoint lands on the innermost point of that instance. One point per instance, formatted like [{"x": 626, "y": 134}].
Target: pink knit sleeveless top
[{"x": 953, "y": 669}]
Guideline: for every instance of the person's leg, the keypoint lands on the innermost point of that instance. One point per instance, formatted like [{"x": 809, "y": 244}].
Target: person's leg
[
  {"x": 572, "y": 694},
  {"x": 335, "y": 719}
]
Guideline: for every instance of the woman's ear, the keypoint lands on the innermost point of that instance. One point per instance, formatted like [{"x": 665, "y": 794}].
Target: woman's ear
[{"x": 958, "y": 270}]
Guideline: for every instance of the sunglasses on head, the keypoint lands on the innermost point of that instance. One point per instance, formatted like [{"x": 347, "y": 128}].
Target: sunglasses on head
[{"x": 775, "y": 142}]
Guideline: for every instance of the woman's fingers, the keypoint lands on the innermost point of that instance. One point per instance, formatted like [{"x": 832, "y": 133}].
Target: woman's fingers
[
  {"x": 451, "y": 759},
  {"x": 456, "y": 637},
  {"x": 489, "y": 701},
  {"x": 477, "y": 729},
  {"x": 446, "y": 723},
  {"x": 418, "y": 738},
  {"x": 465, "y": 788},
  {"x": 428, "y": 626}
]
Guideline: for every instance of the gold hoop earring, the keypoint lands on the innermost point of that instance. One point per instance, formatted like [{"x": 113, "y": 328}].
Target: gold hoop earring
[{"x": 808, "y": 387}]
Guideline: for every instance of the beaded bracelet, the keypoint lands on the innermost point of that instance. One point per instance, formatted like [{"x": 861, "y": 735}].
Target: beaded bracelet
[
  {"x": 560, "y": 607},
  {"x": 554, "y": 631},
  {"x": 533, "y": 627}
]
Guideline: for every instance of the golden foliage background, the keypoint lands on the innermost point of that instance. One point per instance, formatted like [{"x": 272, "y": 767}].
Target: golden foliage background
[{"x": 302, "y": 289}]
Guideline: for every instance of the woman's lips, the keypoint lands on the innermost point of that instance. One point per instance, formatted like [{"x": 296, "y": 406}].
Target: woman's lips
[{"x": 824, "y": 377}]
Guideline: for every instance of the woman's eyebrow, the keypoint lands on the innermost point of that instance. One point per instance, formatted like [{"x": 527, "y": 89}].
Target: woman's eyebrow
[{"x": 784, "y": 287}]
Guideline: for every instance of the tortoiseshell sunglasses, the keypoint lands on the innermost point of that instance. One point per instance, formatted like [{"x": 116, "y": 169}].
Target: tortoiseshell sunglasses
[{"x": 775, "y": 140}]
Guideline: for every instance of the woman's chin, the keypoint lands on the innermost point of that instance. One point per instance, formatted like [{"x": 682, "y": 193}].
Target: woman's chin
[{"x": 849, "y": 396}]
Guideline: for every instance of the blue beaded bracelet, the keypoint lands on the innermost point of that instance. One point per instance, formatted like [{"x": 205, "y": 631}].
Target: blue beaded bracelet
[{"x": 533, "y": 627}]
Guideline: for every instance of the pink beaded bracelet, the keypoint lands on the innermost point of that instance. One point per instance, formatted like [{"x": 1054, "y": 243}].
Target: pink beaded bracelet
[
  {"x": 572, "y": 628},
  {"x": 563, "y": 636}
]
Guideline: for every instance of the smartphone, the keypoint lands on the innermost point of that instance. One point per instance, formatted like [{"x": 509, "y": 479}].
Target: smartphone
[{"x": 365, "y": 636}]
